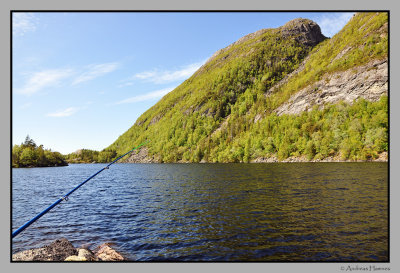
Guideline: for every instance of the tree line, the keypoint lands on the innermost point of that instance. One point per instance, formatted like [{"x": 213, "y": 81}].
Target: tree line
[{"x": 28, "y": 154}]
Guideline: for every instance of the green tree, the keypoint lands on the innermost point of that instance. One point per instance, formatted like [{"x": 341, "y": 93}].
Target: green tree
[
  {"x": 29, "y": 142},
  {"x": 28, "y": 157}
]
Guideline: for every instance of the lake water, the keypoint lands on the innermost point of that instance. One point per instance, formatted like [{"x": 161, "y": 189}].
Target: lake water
[{"x": 211, "y": 212}]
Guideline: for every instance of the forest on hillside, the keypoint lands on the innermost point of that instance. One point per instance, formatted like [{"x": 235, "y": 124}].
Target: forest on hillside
[
  {"x": 347, "y": 132},
  {"x": 226, "y": 111},
  {"x": 211, "y": 116}
]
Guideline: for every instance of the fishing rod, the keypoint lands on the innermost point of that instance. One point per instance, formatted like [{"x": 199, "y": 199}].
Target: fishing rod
[{"x": 65, "y": 197}]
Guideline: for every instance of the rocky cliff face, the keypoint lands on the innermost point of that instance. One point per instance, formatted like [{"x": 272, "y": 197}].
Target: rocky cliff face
[{"x": 368, "y": 81}]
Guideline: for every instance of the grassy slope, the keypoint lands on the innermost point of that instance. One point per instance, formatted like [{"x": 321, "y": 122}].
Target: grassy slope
[{"x": 228, "y": 92}]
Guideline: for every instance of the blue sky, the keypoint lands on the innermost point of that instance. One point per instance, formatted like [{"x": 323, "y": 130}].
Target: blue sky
[{"x": 80, "y": 80}]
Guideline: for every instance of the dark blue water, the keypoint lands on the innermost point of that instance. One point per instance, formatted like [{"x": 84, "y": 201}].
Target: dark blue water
[{"x": 211, "y": 212}]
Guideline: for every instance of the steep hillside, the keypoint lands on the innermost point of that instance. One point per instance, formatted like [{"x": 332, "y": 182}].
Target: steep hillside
[{"x": 235, "y": 107}]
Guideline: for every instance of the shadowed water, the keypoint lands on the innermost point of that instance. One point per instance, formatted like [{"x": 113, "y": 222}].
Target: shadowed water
[{"x": 211, "y": 212}]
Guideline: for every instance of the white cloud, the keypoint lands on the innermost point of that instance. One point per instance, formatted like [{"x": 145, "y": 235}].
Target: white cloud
[
  {"x": 43, "y": 79},
  {"x": 64, "y": 113},
  {"x": 148, "y": 96},
  {"x": 94, "y": 71},
  {"x": 160, "y": 77},
  {"x": 332, "y": 23},
  {"x": 23, "y": 22}
]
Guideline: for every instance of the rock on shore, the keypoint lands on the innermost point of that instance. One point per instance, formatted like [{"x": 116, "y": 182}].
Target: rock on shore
[
  {"x": 62, "y": 250},
  {"x": 142, "y": 156},
  {"x": 382, "y": 157}
]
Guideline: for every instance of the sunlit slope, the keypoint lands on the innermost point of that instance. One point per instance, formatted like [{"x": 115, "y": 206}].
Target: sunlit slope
[{"x": 225, "y": 112}]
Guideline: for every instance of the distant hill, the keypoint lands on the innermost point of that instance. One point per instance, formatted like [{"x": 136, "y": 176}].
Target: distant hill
[{"x": 284, "y": 94}]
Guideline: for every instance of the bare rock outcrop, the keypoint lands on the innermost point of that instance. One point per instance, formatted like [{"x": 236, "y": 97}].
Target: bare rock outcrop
[
  {"x": 142, "y": 156},
  {"x": 369, "y": 81},
  {"x": 304, "y": 31}
]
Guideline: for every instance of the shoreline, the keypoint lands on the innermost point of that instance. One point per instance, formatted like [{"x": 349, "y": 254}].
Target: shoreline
[
  {"x": 256, "y": 161},
  {"x": 143, "y": 157},
  {"x": 50, "y": 166},
  {"x": 382, "y": 157}
]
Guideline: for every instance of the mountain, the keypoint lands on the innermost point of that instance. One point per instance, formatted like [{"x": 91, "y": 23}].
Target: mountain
[{"x": 287, "y": 93}]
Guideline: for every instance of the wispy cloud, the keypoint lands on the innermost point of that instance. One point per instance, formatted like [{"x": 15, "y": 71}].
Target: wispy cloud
[
  {"x": 26, "y": 105},
  {"x": 128, "y": 83},
  {"x": 64, "y": 113},
  {"x": 167, "y": 76},
  {"x": 94, "y": 71},
  {"x": 37, "y": 81},
  {"x": 44, "y": 79},
  {"x": 332, "y": 23},
  {"x": 148, "y": 96},
  {"x": 23, "y": 23}
]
